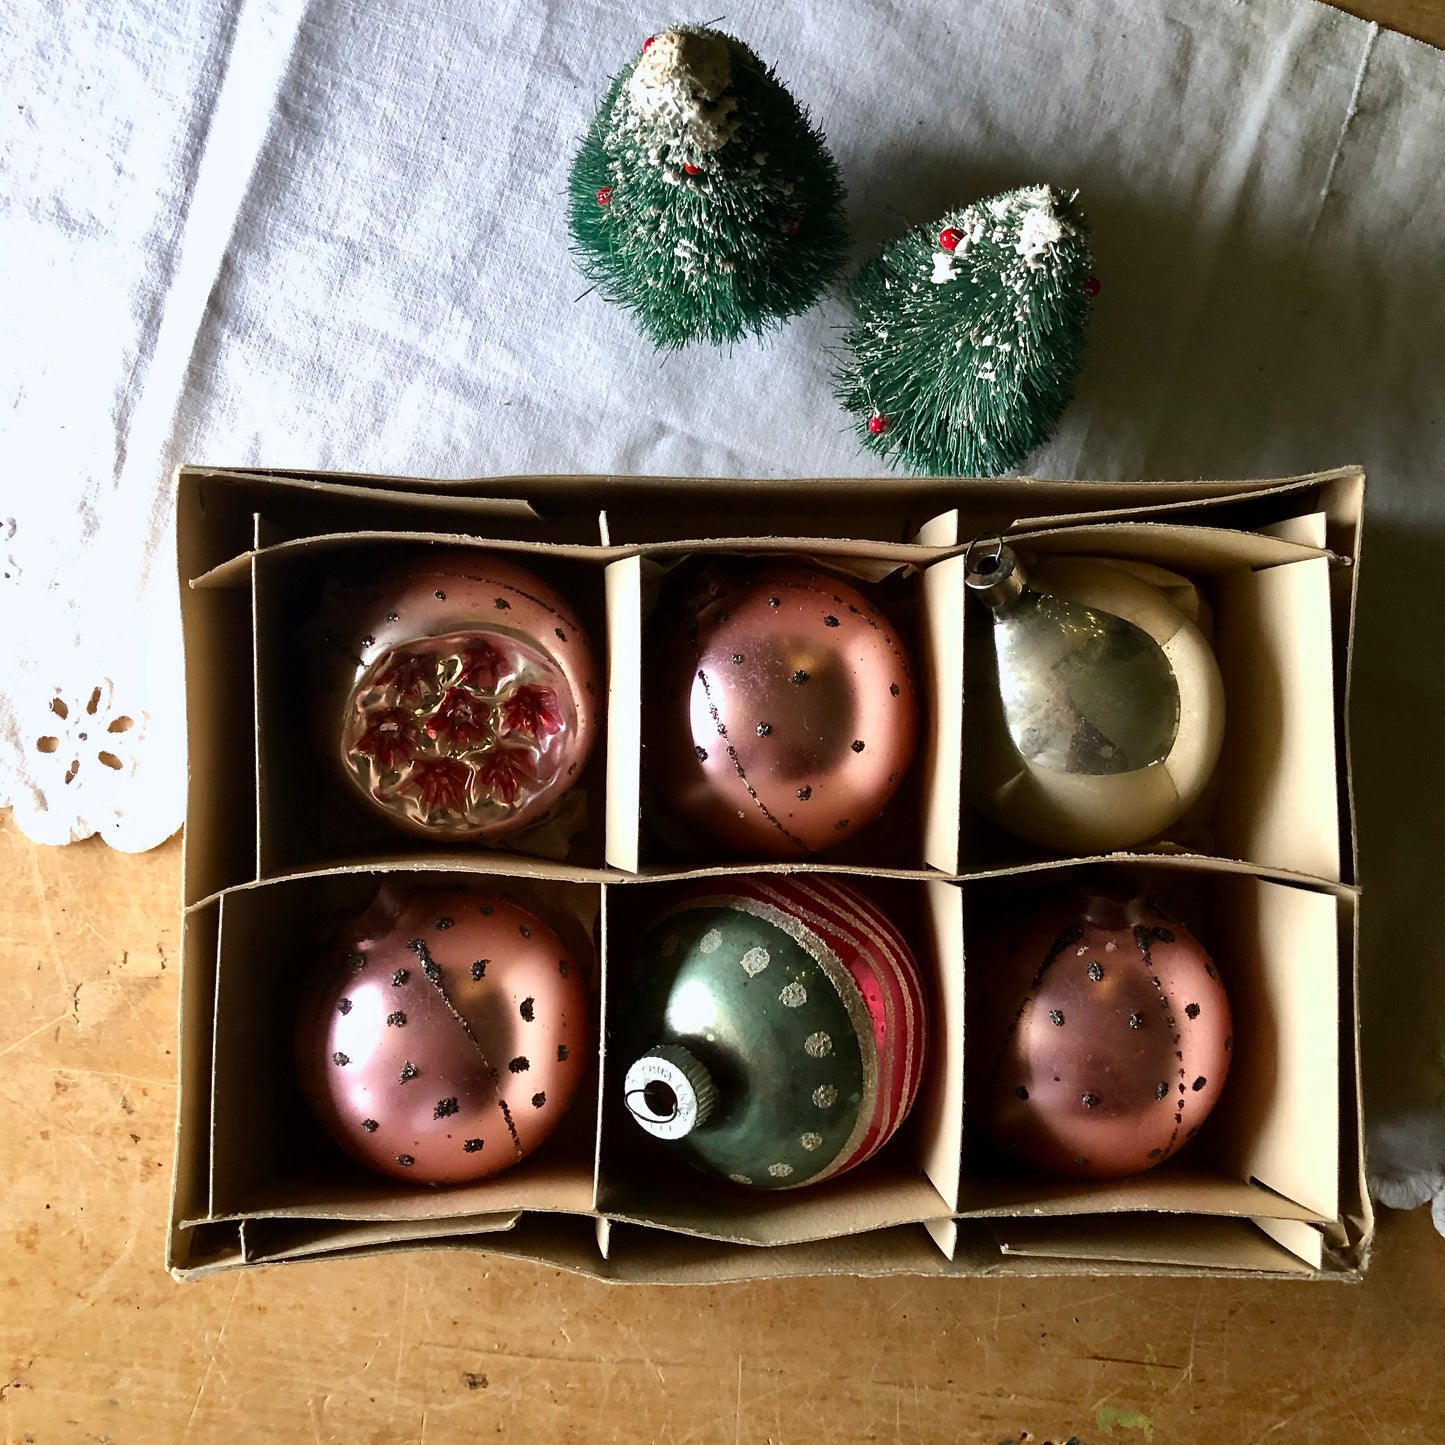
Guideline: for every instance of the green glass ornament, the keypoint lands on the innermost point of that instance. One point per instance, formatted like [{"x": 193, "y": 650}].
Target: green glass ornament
[
  {"x": 968, "y": 334},
  {"x": 702, "y": 198},
  {"x": 771, "y": 1030}
]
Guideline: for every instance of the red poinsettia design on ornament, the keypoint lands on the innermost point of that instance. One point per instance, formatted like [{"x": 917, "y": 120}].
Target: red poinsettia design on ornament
[
  {"x": 503, "y": 771},
  {"x": 440, "y": 782},
  {"x": 462, "y": 719},
  {"x": 532, "y": 711},
  {"x": 409, "y": 676},
  {"x": 389, "y": 740},
  {"x": 483, "y": 666}
]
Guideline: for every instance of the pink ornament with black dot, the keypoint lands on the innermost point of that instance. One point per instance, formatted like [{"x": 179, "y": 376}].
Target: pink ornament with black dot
[
  {"x": 445, "y": 1036},
  {"x": 1108, "y": 1030},
  {"x": 779, "y": 712}
]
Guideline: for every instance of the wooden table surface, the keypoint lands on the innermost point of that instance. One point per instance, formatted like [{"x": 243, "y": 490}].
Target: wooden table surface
[{"x": 97, "y": 1343}]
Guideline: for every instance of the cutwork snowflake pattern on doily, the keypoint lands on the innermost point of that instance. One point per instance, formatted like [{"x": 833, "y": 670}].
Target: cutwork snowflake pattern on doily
[
  {"x": 83, "y": 750},
  {"x": 82, "y": 734}
]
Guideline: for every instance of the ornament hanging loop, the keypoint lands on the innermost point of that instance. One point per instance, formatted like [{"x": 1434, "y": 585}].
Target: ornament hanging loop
[{"x": 669, "y": 1092}]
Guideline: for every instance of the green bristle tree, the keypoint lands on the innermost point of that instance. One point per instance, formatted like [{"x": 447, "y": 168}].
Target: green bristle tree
[
  {"x": 968, "y": 334},
  {"x": 702, "y": 198}
]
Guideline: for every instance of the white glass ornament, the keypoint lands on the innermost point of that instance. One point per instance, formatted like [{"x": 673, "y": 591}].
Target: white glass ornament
[{"x": 1098, "y": 713}]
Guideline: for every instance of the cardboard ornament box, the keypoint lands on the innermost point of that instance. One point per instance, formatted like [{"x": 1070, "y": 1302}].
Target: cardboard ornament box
[{"x": 1263, "y": 870}]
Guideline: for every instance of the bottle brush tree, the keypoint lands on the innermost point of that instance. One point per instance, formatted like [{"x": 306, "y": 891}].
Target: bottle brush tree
[
  {"x": 968, "y": 333},
  {"x": 702, "y": 198}
]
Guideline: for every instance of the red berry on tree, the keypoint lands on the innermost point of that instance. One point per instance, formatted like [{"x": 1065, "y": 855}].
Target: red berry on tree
[
  {"x": 604, "y": 195},
  {"x": 795, "y": 224},
  {"x": 949, "y": 238},
  {"x": 877, "y": 424},
  {"x": 648, "y": 41},
  {"x": 691, "y": 169},
  {"x": 1091, "y": 286}
]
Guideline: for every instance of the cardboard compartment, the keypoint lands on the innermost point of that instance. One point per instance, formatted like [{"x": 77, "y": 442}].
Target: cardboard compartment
[
  {"x": 306, "y": 816},
  {"x": 265, "y": 1158},
  {"x": 642, "y": 837},
  {"x": 1270, "y": 1149},
  {"x": 1267, "y": 606},
  {"x": 1261, "y": 870},
  {"x": 912, "y": 1178}
]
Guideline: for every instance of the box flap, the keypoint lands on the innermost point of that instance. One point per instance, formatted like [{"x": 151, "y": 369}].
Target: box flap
[
  {"x": 939, "y": 1110},
  {"x": 1215, "y": 1244},
  {"x": 1186, "y": 1185},
  {"x": 1281, "y": 805},
  {"x": 190, "y": 1179},
  {"x": 1278, "y": 1120},
  {"x": 269, "y": 1241}
]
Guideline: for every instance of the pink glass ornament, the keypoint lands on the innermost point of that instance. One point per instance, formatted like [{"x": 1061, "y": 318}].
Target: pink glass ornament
[
  {"x": 446, "y": 1037},
  {"x": 460, "y": 694},
  {"x": 1109, "y": 1031},
  {"x": 779, "y": 713}
]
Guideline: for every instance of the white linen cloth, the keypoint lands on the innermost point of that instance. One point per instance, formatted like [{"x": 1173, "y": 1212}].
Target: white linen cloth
[{"x": 333, "y": 235}]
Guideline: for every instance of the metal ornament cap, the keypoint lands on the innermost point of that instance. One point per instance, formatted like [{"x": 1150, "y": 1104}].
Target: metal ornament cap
[
  {"x": 1100, "y": 715},
  {"x": 779, "y": 710},
  {"x": 444, "y": 1035},
  {"x": 669, "y": 1092},
  {"x": 462, "y": 694}
]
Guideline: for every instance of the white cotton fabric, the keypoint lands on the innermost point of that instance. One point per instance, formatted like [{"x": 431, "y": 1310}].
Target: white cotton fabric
[{"x": 333, "y": 235}]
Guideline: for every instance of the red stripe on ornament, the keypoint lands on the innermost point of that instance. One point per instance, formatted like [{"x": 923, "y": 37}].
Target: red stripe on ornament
[{"x": 881, "y": 964}]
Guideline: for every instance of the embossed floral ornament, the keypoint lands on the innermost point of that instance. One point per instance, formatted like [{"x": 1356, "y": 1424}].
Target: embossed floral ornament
[{"x": 462, "y": 698}]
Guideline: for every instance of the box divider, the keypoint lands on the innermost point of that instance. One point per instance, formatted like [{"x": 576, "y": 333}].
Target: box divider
[
  {"x": 1278, "y": 1120},
  {"x": 624, "y": 712},
  {"x": 940, "y": 1105},
  {"x": 943, "y": 619},
  {"x": 1279, "y": 801},
  {"x": 603, "y": 955},
  {"x": 1296, "y": 1235},
  {"x": 258, "y": 823},
  {"x": 944, "y": 1233}
]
